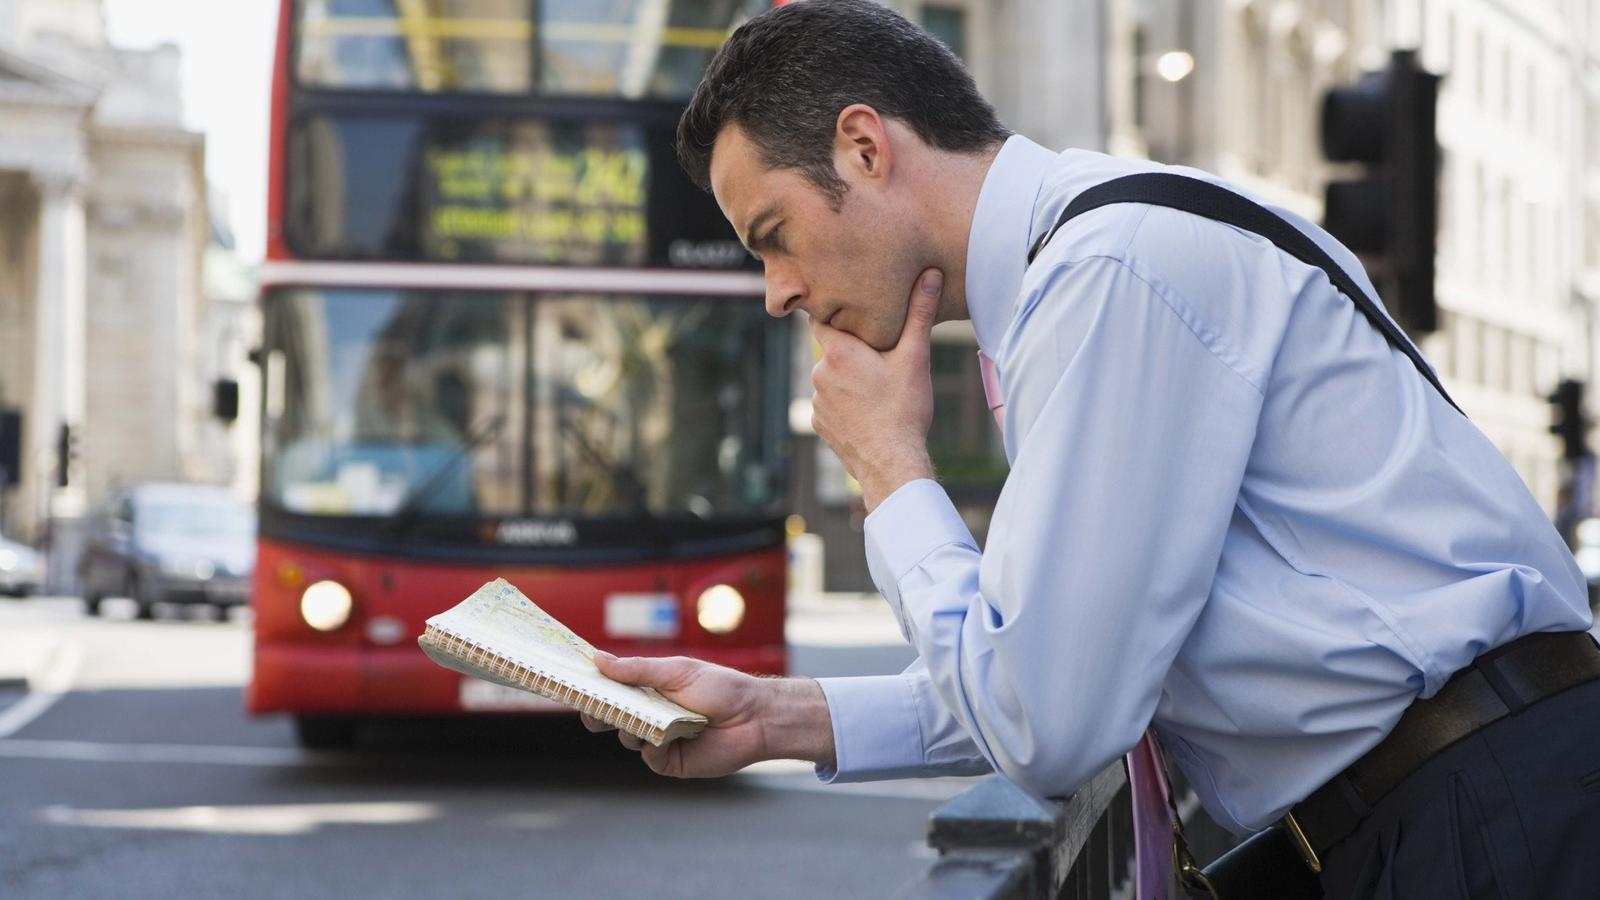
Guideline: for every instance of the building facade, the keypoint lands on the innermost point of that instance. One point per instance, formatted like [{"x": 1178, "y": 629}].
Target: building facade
[
  {"x": 103, "y": 232},
  {"x": 1514, "y": 314}
]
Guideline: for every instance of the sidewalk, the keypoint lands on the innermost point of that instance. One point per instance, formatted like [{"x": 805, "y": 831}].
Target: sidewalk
[{"x": 840, "y": 619}]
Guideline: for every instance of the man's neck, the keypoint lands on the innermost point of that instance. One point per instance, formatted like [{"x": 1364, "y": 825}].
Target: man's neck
[{"x": 949, "y": 197}]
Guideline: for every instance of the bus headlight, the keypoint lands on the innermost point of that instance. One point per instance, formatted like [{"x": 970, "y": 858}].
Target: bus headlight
[
  {"x": 325, "y": 605},
  {"x": 720, "y": 608}
]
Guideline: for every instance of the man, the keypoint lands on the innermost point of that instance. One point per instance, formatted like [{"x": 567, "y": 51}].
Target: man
[{"x": 1235, "y": 513}]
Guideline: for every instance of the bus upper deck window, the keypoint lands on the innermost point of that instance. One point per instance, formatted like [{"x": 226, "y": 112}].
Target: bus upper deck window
[
  {"x": 633, "y": 48},
  {"x": 468, "y": 46}
]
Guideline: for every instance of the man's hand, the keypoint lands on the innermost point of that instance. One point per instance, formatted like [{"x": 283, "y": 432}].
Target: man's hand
[
  {"x": 751, "y": 719},
  {"x": 874, "y": 408}
]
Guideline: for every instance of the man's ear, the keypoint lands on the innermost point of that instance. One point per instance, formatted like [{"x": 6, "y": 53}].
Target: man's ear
[{"x": 861, "y": 142}]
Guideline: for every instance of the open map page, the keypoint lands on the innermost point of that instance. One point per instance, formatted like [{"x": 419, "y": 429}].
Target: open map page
[{"x": 503, "y": 620}]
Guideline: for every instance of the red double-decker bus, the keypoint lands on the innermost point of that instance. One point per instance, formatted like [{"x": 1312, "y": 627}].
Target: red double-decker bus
[{"x": 504, "y": 336}]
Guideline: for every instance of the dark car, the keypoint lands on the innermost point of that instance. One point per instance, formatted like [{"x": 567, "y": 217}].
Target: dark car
[
  {"x": 21, "y": 568},
  {"x": 170, "y": 543}
]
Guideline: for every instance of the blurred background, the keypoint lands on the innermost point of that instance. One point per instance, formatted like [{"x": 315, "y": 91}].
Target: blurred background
[{"x": 316, "y": 314}]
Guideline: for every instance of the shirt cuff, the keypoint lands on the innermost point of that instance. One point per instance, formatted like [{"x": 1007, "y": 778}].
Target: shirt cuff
[
  {"x": 876, "y": 733},
  {"x": 909, "y": 524}
]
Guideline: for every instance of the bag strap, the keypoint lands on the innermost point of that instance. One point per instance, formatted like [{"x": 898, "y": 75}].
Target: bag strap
[{"x": 1210, "y": 201}]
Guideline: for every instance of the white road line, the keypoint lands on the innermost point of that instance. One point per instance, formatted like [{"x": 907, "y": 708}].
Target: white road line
[
  {"x": 185, "y": 754},
  {"x": 52, "y": 684}
]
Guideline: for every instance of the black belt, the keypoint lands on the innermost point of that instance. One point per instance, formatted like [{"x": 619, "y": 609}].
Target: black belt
[{"x": 1500, "y": 683}]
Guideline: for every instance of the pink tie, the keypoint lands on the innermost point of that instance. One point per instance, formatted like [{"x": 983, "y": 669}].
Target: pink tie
[{"x": 1147, "y": 770}]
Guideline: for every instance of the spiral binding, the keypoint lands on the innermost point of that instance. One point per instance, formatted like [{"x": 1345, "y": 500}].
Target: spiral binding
[{"x": 476, "y": 654}]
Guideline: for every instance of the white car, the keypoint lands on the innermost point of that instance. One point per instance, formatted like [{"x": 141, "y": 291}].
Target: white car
[{"x": 21, "y": 568}]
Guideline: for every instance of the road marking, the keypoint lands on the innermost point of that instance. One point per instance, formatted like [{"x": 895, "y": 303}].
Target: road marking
[
  {"x": 280, "y": 819},
  {"x": 184, "y": 754},
  {"x": 52, "y": 684}
]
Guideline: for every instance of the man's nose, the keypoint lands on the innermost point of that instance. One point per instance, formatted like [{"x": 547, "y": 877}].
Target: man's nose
[{"x": 784, "y": 292}]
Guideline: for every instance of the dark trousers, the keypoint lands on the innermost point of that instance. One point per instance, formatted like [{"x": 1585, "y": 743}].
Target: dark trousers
[{"x": 1512, "y": 811}]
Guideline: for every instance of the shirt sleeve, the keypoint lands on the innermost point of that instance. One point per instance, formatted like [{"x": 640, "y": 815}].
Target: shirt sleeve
[
  {"x": 895, "y": 726},
  {"x": 1049, "y": 648}
]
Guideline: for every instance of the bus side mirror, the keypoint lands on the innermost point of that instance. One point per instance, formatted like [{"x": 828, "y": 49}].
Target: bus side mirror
[{"x": 225, "y": 400}]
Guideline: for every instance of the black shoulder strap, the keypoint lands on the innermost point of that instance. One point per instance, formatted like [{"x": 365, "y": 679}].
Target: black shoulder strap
[{"x": 1202, "y": 198}]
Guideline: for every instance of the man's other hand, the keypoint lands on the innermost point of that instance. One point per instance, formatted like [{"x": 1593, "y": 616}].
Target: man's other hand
[
  {"x": 874, "y": 408},
  {"x": 750, "y": 719}
]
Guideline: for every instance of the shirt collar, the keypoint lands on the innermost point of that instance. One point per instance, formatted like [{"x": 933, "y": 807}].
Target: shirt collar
[{"x": 1002, "y": 226}]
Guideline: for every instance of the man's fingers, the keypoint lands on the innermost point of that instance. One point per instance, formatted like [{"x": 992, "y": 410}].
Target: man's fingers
[
  {"x": 923, "y": 309},
  {"x": 593, "y": 724},
  {"x": 823, "y": 335},
  {"x": 664, "y": 760},
  {"x": 632, "y": 742}
]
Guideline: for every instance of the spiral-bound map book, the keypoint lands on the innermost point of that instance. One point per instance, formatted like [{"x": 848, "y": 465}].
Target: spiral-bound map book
[{"x": 499, "y": 635}]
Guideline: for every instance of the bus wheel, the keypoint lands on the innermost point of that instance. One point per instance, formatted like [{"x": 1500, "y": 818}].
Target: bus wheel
[
  {"x": 325, "y": 732},
  {"x": 91, "y": 604}
]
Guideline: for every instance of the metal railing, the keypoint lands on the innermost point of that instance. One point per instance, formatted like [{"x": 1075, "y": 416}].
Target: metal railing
[{"x": 998, "y": 842}]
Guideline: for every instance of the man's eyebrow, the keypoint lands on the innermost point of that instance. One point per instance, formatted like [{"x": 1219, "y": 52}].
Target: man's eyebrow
[{"x": 755, "y": 225}]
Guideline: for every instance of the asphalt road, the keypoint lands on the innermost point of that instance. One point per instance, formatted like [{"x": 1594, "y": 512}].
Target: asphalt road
[{"x": 129, "y": 770}]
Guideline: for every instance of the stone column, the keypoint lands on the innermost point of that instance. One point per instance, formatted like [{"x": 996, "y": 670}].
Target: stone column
[{"x": 60, "y": 334}]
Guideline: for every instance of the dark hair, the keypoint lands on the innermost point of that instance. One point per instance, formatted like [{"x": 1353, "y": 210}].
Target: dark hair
[{"x": 784, "y": 76}]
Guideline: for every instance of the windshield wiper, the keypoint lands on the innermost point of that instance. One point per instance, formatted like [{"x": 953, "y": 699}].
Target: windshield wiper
[
  {"x": 409, "y": 511},
  {"x": 626, "y": 480}
]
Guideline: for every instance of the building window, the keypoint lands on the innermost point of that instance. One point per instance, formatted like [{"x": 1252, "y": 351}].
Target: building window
[
  {"x": 1478, "y": 199},
  {"x": 1480, "y": 66},
  {"x": 1141, "y": 46},
  {"x": 1469, "y": 351},
  {"x": 1447, "y": 206},
  {"x": 1508, "y": 236},
  {"x": 1449, "y": 40},
  {"x": 1534, "y": 101},
  {"x": 948, "y": 24},
  {"x": 964, "y": 444},
  {"x": 1507, "y": 93}
]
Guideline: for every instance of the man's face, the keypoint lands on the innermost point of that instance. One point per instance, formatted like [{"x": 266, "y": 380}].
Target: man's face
[{"x": 852, "y": 267}]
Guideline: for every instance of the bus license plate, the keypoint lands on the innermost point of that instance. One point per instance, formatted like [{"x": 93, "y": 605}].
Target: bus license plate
[{"x": 478, "y": 695}]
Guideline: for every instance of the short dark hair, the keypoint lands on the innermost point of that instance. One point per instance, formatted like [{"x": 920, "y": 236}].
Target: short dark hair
[{"x": 784, "y": 76}]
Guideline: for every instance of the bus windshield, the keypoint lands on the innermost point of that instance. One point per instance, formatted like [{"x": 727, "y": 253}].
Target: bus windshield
[
  {"x": 634, "y": 49},
  {"x": 518, "y": 404}
]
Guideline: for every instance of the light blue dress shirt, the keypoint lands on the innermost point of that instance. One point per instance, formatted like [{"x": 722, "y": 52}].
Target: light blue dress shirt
[{"x": 1233, "y": 510}]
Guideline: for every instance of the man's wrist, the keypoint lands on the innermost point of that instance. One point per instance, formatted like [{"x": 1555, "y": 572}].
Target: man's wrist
[
  {"x": 877, "y": 487},
  {"x": 795, "y": 722}
]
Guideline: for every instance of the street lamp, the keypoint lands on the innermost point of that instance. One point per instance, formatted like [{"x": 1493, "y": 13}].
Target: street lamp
[{"x": 1174, "y": 65}]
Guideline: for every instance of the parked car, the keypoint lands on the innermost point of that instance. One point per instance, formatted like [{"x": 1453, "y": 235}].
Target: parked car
[
  {"x": 170, "y": 543},
  {"x": 21, "y": 568}
]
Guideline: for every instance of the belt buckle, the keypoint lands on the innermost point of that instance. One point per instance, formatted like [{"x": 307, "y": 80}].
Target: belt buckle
[
  {"x": 1302, "y": 844},
  {"x": 1190, "y": 877}
]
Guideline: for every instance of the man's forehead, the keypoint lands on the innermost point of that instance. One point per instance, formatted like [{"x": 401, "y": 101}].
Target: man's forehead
[{"x": 736, "y": 175}]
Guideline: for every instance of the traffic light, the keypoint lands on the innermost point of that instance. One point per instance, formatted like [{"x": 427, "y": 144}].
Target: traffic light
[
  {"x": 1571, "y": 420},
  {"x": 225, "y": 400},
  {"x": 66, "y": 453},
  {"x": 10, "y": 447},
  {"x": 1390, "y": 215}
]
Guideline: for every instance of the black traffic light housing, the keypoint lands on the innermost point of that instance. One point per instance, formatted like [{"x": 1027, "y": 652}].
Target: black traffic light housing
[
  {"x": 1389, "y": 215},
  {"x": 10, "y": 447},
  {"x": 225, "y": 400},
  {"x": 1571, "y": 420},
  {"x": 66, "y": 452}
]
